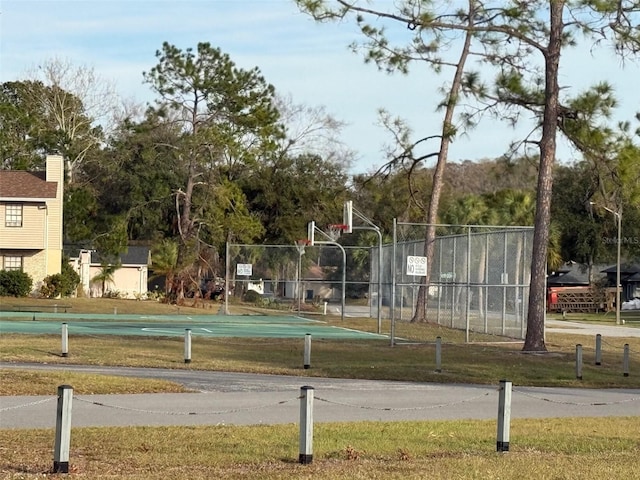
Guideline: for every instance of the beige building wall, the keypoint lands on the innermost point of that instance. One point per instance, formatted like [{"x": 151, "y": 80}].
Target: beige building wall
[
  {"x": 53, "y": 234},
  {"x": 128, "y": 282},
  {"x": 32, "y": 234},
  {"x": 35, "y": 266}
]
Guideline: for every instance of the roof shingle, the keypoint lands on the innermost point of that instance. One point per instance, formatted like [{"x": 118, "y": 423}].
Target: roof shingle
[{"x": 21, "y": 184}]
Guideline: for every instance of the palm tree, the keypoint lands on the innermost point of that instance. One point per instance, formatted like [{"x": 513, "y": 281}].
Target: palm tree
[
  {"x": 165, "y": 262},
  {"x": 470, "y": 210},
  {"x": 107, "y": 270}
]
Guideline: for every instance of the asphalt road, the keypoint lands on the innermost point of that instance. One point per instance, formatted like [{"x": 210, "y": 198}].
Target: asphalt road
[{"x": 241, "y": 399}]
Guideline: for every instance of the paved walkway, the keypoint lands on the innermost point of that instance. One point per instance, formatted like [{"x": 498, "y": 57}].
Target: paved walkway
[
  {"x": 588, "y": 328},
  {"x": 232, "y": 398}
]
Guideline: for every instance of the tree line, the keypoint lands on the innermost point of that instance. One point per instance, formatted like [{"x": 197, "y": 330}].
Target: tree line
[
  {"x": 503, "y": 58},
  {"x": 220, "y": 156}
]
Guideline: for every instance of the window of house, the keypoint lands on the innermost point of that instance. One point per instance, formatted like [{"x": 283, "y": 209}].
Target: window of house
[
  {"x": 13, "y": 216},
  {"x": 12, "y": 263}
]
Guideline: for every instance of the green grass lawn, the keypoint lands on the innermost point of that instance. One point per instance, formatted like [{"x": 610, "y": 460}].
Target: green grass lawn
[
  {"x": 581, "y": 448},
  {"x": 486, "y": 360},
  {"x": 546, "y": 449}
]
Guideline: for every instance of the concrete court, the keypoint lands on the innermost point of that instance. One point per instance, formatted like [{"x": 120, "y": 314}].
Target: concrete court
[
  {"x": 253, "y": 326},
  {"x": 240, "y": 399}
]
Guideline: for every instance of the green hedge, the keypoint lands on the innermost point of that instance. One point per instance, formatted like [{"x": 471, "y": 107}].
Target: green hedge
[{"x": 15, "y": 283}]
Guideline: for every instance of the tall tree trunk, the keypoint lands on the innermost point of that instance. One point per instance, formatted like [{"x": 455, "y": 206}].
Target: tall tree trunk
[
  {"x": 534, "y": 340},
  {"x": 448, "y": 131}
]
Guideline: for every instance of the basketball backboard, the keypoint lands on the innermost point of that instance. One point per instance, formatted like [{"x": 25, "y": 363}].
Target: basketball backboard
[
  {"x": 347, "y": 216},
  {"x": 311, "y": 231}
]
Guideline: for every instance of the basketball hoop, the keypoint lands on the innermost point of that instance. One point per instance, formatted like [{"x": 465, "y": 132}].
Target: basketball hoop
[
  {"x": 336, "y": 230},
  {"x": 300, "y": 244}
]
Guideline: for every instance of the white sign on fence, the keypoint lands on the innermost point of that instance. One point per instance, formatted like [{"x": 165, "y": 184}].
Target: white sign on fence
[
  {"x": 417, "y": 266},
  {"x": 244, "y": 269}
]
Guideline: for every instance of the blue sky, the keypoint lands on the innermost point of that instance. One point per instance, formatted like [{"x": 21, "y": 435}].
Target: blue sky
[{"x": 309, "y": 62}]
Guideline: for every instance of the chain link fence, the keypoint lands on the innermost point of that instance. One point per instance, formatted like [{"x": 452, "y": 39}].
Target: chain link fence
[
  {"x": 478, "y": 279},
  {"x": 299, "y": 277}
]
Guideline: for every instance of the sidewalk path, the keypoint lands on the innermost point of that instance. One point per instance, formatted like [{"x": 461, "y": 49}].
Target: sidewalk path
[
  {"x": 235, "y": 398},
  {"x": 586, "y": 328}
]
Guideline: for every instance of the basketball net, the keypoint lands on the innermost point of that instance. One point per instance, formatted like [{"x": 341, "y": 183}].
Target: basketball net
[
  {"x": 335, "y": 231},
  {"x": 300, "y": 244}
]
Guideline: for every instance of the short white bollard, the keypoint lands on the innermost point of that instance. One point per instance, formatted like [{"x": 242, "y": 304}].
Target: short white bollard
[
  {"x": 438, "y": 354},
  {"x": 324, "y": 312},
  {"x": 306, "y": 425},
  {"x": 625, "y": 361},
  {"x": 579, "y": 362},
  {"x": 307, "y": 351},
  {"x": 65, "y": 340},
  {"x": 598, "y": 349},
  {"x": 63, "y": 430},
  {"x": 187, "y": 345},
  {"x": 504, "y": 416}
]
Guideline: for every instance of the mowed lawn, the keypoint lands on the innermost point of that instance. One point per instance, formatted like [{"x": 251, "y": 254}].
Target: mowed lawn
[{"x": 540, "y": 449}]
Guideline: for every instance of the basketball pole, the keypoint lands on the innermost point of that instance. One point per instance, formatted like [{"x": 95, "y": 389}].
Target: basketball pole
[
  {"x": 331, "y": 241},
  {"x": 370, "y": 226}
]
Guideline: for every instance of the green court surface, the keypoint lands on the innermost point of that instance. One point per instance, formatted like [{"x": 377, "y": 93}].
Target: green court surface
[{"x": 286, "y": 326}]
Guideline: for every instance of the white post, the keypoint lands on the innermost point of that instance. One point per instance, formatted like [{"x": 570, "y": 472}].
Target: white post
[
  {"x": 598, "y": 349},
  {"x": 65, "y": 340},
  {"x": 324, "y": 312},
  {"x": 306, "y": 425},
  {"x": 307, "y": 351},
  {"x": 63, "y": 430},
  {"x": 438, "y": 354},
  {"x": 579, "y": 362},
  {"x": 187, "y": 345},
  {"x": 504, "y": 416},
  {"x": 625, "y": 360}
]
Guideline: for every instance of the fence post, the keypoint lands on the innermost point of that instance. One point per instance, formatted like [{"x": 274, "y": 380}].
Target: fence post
[
  {"x": 579, "y": 362},
  {"x": 306, "y": 425},
  {"x": 187, "y": 345},
  {"x": 307, "y": 351},
  {"x": 438, "y": 354},
  {"x": 63, "y": 430},
  {"x": 625, "y": 360},
  {"x": 598, "y": 349},
  {"x": 65, "y": 340},
  {"x": 504, "y": 416}
]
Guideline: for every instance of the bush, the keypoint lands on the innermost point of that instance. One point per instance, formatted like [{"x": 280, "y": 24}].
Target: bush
[
  {"x": 15, "y": 283},
  {"x": 61, "y": 284},
  {"x": 251, "y": 296}
]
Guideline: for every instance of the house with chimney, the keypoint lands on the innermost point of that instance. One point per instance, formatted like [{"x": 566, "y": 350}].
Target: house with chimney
[{"x": 31, "y": 206}]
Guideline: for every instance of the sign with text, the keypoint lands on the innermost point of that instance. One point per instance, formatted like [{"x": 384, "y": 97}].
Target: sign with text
[
  {"x": 244, "y": 269},
  {"x": 417, "y": 266}
]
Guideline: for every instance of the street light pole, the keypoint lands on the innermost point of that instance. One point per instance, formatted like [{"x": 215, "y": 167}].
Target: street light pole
[
  {"x": 618, "y": 217},
  {"x": 618, "y": 286}
]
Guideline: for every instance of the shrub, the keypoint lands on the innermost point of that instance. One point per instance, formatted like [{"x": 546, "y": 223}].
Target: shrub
[
  {"x": 15, "y": 283},
  {"x": 51, "y": 286},
  {"x": 61, "y": 284},
  {"x": 251, "y": 296}
]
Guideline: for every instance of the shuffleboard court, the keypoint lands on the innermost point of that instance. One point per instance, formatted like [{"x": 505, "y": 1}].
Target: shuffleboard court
[{"x": 257, "y": 326}]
